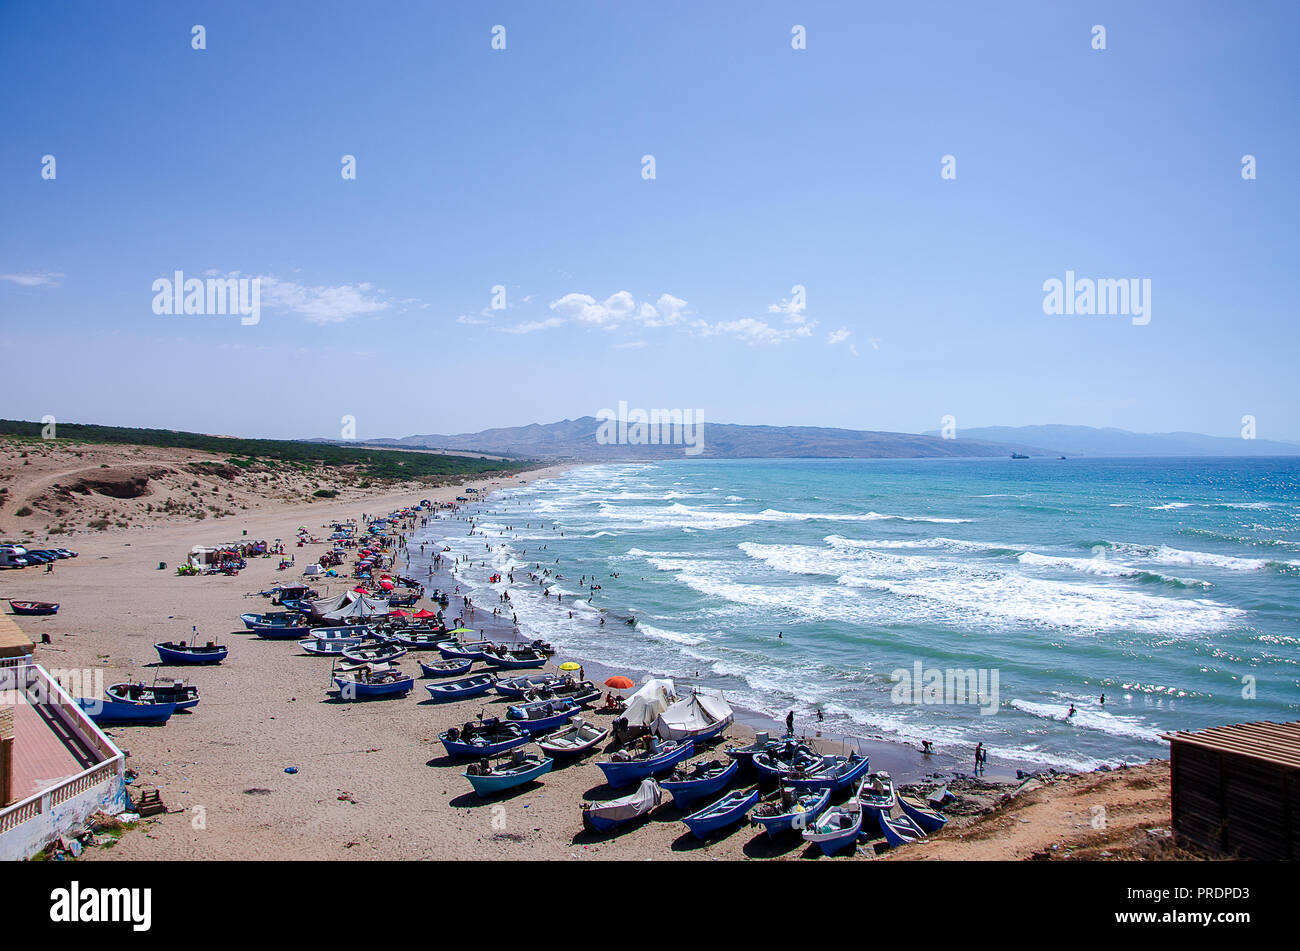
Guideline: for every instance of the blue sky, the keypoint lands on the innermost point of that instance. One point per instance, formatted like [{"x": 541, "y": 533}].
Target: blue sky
[{"x": 774, "y": 168}]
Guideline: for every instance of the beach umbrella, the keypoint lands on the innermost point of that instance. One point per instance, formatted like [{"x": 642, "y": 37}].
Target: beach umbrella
[
  {"x": 462, "y": 630},
  {"x": 423, "y": 613},
  {"x": 398, "y": 613},
  {"x": 570, "y": 665},
  {"x": 387, "y": 585},
  {"x": 620, "y": 683}
]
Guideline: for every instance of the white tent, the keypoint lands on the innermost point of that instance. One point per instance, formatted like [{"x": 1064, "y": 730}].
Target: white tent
[
  {"x": 644, "y": 706},
  {"x": 699, "y": 713},
  {"x": 358, "y": 608}
]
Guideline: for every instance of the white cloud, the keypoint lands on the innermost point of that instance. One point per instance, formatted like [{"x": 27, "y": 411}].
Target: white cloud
[
  {"x": 323, "y": 304},
  {"x": 841, "y": 336},
  {"x": 45, "y": 279},
  {"x": 533, "y": 326}
]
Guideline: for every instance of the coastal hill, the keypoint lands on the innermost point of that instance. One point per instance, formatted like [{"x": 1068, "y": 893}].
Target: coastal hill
[
  {"x": 1094, "y": 441},
  {"x": 575, "y": 439}
]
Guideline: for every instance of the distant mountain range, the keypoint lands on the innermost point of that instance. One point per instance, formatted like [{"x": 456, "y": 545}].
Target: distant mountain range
[
  {"x": 576, "y": 439},
  {"x": 1092, "y": 441}
]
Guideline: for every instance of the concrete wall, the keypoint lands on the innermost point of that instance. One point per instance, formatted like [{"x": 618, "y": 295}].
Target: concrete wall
[{"x": 25, "y": 840}]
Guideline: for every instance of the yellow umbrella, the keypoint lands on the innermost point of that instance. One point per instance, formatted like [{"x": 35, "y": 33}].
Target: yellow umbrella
[{"x": 570, "y": 665}]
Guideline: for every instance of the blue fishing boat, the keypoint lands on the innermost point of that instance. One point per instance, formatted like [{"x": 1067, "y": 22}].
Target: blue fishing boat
[
  {"x": 454, "y": 650},
  {"x": 257, "y": 622},
  {"x": 374, "y": 653},
  {"x": 727, "y": 811},
  {"x": 898, "y": 830},
  {"x": 543, "y": 716},
  {"x": 572, "y": 740},
  {"x": 876, "y": 793},
  {"x": 327, "y": 647},
  {"x": 181, "y": 695},
  {"x": 689, "y": 783},
  {"x": 786, "y": 810},
  {"x": 489, "y": 737},
  {"x": 930, "y": 820},
  {"x": 170, "y": 652},
  {"x": 106, "y": 712},
  {"x": 837, "y": 828},
  {"x": 626, "y": 768},
  {"x": 834, "y": 773},
  {"x": 366, "y": 683},
  {"x": 744, "y": 755},
  {"x": 460, "y": 689},
  {"x": 784, "y": 758},
  {"x": 419, "y": 640},
  {"x": 609, "y": 815},
  {"x": 514, "y": 658},
  {"x": 489, "y": 778},
  {"x": 359, "y": 631},
  {"x": 446, "y": 668},
  {"x": 518, "y": 686}
]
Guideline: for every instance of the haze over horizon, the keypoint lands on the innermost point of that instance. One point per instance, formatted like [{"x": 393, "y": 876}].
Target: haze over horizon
[{"x": 796, "y": 260}]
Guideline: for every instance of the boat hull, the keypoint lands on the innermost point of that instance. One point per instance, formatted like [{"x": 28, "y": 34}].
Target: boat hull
[
  {"x": 459, "y": 689},
  {"x": 625, "y": 774},
  {"x": 118, "y": 712},
  {"x": 195, "y": 658},
  {"x": 355, "y": 690},
  {"x": 486, "y": 786},
  {"x": 713, "y": 819},
  {"x": 432, "y": 671},
  {"x": 814, "y": 804},
  {"x": 690, "y": 791}
]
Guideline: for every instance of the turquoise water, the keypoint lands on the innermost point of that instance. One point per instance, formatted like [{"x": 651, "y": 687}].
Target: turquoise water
[{"x": 1166, "y": 585}]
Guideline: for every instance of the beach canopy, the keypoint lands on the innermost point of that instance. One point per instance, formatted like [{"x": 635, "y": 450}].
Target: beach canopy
[
  {"x": 699, "y": 712},
  {"x": 570, "y": 665},
  {"x": 620, "y": 682},
  {"x": 398, "y": 613},
  {"x": 423, "y": 613},
  {"x": 654, "y": 697},
  {"x": 462, "y": 630}
]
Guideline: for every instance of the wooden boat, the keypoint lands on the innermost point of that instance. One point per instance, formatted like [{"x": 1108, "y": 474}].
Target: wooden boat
[
  {"x": 899, "y": 830},
  {"x": 835, "y": 773},
  {"x": 280, "y": 627},
  {"x": 624, "y": 768},
  {"x": 837, "y": 828},
  {"x": 446, "y": 668},
  {"x": 744, "y": 755},
  {"x": 368, "y": 683},
  {"x": 543, "y": 715},
  {"x": 171, "y": 652},
  {"x": 374, "y": 653},
  {"x": 33, "y": 608},
  {"x": 488, "y": 778},
  {"x": 124, "y": 712},
  {"x": 460, "y": 689},
  {"x": 181, "y": 695},
  {"x": 608, "y": 816},
  {"x": 730, "y": 809},
  {"x": 690, "y": 783},
  {"x": 514, "y": 659},
  {"x": 488, "y": 737},
  {"x": 575, "y": 739},
  {"x": 784, "y": 758},
  {"x": 419, "y": 640},
  {"x": 876, "y": 793},
  {"x": 519, "y": 686},
  {"x": 256, "y": 622},
  {"x": 328, "y": 646},
  {"x": 930, "y": 820},
  {"x": 344, "y": 631},
  {"x": 788, "y": 809},
  {"x": 454, "y": 650}
]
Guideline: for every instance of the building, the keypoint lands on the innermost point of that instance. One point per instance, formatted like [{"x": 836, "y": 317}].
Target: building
[
  {"x": 1236, "y": 789},
  {"x": 56, "y": 767}
]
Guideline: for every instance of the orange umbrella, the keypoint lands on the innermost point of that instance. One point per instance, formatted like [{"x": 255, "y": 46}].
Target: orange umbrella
[{"x": 619, "y": 683}]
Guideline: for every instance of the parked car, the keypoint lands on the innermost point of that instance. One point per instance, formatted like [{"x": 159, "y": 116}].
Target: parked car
[
  {"x": 39, "y": 557},
  {"x": 65, "y": 553}
]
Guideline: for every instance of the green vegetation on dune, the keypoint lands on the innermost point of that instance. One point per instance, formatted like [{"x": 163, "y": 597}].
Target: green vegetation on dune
[{"x": 373, "y": 463}]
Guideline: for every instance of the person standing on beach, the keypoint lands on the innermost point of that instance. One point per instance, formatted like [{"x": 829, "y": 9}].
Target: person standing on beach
[
  {"x": 789, "y": 723},
  {"x": 979, "y": 757}
]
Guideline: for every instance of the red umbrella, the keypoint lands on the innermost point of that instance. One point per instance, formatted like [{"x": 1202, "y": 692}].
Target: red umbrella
[
  {"x": 619, "y": 683},
  {"x": 360, "y": 590},
  {"x": 423, "y": 613},
  {"x": 398, "y": 613},
  {"x": 387, "y": 585}
]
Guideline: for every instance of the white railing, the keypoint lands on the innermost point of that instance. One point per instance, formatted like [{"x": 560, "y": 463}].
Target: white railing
[{"x": 112, "y": 764}]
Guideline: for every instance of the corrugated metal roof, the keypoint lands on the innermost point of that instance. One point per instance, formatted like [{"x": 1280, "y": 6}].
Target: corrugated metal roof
[{"x": 1271, "y": 742}]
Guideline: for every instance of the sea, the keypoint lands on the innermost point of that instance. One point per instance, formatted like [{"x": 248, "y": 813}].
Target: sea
[{"x": 949, "y": 601}]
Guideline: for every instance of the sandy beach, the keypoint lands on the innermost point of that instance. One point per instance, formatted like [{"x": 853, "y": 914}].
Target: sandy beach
[{"x": 370, "y": 780}]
